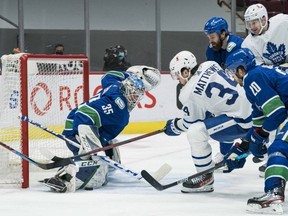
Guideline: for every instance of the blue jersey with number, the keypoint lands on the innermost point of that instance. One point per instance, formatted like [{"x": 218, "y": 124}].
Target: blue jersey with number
[
  {"x": 267, "y": 91},
  {"x": 107, "y": 110},
  {"x": 211, "y": 90},
  {"x": 233, "y": 43}
]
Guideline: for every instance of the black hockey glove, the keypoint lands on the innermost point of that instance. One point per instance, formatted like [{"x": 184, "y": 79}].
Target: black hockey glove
[
  {"x": 231, "y": 160},
  {"x": 258, "y": 138}
]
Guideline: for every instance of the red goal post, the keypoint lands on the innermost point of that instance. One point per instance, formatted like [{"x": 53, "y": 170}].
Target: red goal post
[{"x": 45, "y": 88}]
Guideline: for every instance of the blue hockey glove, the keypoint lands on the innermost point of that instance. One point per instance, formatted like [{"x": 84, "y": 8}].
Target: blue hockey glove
[
  {"x": 230, "y": 158},
  {"x": 258, "y": 139},
  {"x": 171, "y": 129}
]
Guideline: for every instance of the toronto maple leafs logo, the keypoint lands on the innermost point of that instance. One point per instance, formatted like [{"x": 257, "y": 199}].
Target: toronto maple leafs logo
[{"x": 274, "y": 54}]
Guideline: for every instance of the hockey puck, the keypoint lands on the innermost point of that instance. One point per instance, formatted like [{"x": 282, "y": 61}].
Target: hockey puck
[{"x": 88, "y": 188}]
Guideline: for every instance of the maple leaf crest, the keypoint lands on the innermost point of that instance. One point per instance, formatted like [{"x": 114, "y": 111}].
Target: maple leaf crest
[{"x": 274, "y": 54}]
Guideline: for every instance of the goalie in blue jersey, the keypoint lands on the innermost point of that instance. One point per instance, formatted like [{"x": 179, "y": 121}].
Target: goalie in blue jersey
[
  {"x": 95, "y": 124},
  {"x": 267, "y": 91}
]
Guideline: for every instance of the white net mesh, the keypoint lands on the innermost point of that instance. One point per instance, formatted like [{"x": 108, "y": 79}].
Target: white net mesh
[{"x": 54, "y": 87}]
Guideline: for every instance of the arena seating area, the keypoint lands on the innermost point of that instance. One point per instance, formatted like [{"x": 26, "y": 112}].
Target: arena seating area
[{"x": 273, "y": 6}]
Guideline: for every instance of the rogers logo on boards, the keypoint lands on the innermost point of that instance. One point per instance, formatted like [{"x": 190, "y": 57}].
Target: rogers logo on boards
[
  {"x": 41, "y": 98},
  {"x": 36, "y": 90}
]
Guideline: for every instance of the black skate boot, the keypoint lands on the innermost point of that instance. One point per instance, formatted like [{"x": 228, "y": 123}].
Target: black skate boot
[
  {"x": 55, "y": 183},
  {"x": 270, "y": 202},
  {"x": 203, "y": 183}
]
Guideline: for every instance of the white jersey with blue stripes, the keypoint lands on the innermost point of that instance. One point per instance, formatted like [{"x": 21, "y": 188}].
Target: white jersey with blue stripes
[{"x": 210, "y": 90}]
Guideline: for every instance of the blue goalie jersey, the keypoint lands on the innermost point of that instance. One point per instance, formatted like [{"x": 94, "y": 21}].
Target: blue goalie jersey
[{"x": 107, "y": 110}]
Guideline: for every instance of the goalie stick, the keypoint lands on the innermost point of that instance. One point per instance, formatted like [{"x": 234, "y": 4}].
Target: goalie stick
[
  {"x": 47, "y": 166},
  {"x": 25, "y": 118},
  {"x": 159, "y": 174},
  {"x": 153, "y": 182}
]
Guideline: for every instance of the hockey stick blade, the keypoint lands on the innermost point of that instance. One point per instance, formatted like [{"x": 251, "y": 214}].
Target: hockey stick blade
[
  {"x": 154, "y": 183},
  {"x": 55, "y": 164},
  {"x": 162, "y": 172}
]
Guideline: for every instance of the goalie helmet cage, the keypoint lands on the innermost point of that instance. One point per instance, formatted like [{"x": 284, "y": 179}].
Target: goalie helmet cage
[{"x": 44, "y": 88}]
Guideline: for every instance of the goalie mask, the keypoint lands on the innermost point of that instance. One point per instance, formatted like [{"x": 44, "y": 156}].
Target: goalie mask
[
  {"x": 150, "y": 76},
  {"x": 182, "y": 60},
  {"x": 133, "y": 90}
]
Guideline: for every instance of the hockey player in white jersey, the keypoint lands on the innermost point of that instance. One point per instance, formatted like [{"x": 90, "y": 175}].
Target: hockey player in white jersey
[
  {"x": 268, "y": 38},
  {"x": 208, "y": 90}
]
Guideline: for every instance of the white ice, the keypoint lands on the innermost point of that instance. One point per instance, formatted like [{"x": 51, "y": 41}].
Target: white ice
[{"x": 125, "y": 196}]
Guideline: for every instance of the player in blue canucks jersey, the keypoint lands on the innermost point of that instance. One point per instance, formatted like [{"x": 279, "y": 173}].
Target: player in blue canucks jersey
[
  {"x": 267, "y": 91},
  {"x": 221, "y": 44},
  {"x": 95, "y": 123}
]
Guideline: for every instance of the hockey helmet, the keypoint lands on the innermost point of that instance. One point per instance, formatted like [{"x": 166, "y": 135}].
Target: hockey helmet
[
  {"x": 180, "y": 61},
  {"x": 216, "y": 25},
  {"x": 255, "y": 12},
  {"x": 242, "y": 57}
]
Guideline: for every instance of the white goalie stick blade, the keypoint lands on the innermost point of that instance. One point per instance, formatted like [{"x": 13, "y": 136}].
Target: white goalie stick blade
[
  {"x": 162, "y": 172},
  {"x": 159, "y": 174}
]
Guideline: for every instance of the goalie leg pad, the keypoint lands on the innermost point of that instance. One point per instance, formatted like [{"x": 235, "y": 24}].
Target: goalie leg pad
[
  {"x": 92, "y": 174},
  {"x": 89, "y": 139}
]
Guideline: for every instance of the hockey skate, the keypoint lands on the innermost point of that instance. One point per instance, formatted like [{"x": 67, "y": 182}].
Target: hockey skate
[
  {"x": 64, "y": 180},
  {"x": 203, "y": 183},
  {"x": 55, "y": 183},
  {"x": 269, "y": 203}
]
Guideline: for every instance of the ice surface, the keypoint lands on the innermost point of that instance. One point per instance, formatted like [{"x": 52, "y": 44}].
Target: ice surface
[{"x": 125, "y": 196}]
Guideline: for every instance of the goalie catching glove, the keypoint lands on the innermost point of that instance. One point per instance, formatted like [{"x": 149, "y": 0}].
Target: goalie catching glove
[{"x": 150, "y": 76}]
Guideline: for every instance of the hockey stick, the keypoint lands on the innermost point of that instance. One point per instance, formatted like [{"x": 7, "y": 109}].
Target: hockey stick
[
  {"x": 47, "y": 166},
  {"x": 159, "y": 174},
  {"x": 25, "y": 118},
  {"x": 153, "y": 182}
]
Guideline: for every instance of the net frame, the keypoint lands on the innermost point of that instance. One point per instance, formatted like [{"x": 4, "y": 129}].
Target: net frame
[{"x": 24, "y": 98}]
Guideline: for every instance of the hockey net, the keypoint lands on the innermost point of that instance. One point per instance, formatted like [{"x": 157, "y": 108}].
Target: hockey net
[{"x": 44, "y": 88}]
